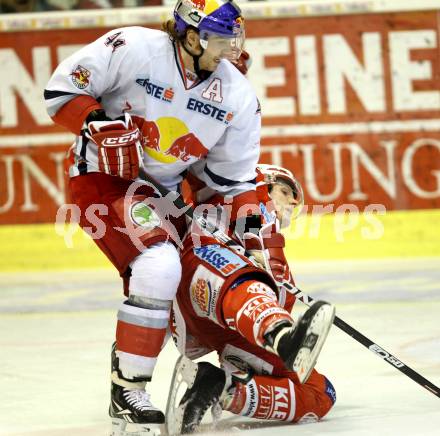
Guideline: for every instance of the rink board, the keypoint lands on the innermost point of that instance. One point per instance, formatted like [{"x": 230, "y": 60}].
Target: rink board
[{"x": 363, "y": 130}]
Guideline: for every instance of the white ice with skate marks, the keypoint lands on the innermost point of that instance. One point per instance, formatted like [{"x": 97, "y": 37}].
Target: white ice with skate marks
[{"x": 55, "y": 352}]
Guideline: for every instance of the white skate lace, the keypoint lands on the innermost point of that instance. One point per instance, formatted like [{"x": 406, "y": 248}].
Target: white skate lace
[{"x": 139, "y": 399}]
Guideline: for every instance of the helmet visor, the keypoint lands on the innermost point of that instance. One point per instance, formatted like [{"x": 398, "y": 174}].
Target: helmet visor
[{"x": 223, "y": 46}]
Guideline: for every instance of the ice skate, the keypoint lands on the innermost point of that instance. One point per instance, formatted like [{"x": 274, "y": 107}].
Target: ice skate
[
  {"x": 204, "y": 385},
  {"x": 299, "y": 345},
  {"x": 133, "y": 414},
  {"x": 130, "y": 408}
]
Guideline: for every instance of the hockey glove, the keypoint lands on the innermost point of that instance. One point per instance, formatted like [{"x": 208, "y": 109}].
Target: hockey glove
[
  {"x": 268, "y": 249},
  {"x": 119, "y": 146}
]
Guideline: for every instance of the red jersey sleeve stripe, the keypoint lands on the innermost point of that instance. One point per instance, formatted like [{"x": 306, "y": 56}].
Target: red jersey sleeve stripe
[{"x": 73, "y": 114}]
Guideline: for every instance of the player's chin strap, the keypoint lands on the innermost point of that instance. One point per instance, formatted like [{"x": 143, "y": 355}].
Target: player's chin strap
[
  {"x": 201, "y": 74},
  {"x": 300, "y": 295}
]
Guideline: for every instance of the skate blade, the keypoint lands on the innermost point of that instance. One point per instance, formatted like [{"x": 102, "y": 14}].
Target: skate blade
[
  {"x": 120, "y": 427},
  {"x": 313, "y": 342},
  {"x": 185, "y": 372}
]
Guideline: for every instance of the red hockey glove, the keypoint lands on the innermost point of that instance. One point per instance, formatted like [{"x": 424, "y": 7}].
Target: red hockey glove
[
  {"x": 243, "y": 63},
  {"x": 268, "y": 249},
  {"x": 274, "y": 244},
  {"x": 119, "y": 146}
]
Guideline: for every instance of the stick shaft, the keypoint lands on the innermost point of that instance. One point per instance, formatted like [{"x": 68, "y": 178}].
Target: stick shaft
[{"x": 386, "y": 356}]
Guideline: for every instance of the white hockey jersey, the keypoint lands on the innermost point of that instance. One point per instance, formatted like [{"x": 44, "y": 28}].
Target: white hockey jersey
[{"x": 214, "y": 123}]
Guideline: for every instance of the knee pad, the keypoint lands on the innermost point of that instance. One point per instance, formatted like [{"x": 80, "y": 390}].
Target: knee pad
[{"x": 155, "y": 273}]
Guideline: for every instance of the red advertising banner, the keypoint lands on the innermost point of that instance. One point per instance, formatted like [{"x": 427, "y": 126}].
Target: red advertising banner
[{"x": 350, "y": 103}]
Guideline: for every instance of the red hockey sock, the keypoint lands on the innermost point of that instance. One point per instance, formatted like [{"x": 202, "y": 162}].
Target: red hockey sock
[
  {"x": 140, "y": 335},
  {"x": 252, "y": 309}
]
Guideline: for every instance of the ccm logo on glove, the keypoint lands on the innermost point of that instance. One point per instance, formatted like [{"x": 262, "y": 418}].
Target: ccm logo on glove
[
  {"x": 119, "y": 145},
  {"x": 121, "y": 140}
]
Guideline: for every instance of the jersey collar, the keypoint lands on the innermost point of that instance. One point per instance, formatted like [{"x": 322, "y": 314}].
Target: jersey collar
[{"x": 181, "y": 68}]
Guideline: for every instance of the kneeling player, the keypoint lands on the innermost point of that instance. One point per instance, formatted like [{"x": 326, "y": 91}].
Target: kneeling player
[{"x": 226, "y": 303}]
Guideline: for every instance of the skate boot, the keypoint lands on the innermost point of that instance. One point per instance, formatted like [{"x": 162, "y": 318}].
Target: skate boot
[
  {"x": 204, "y": 386},
  {"x": 299, "y": 345},
  {"x": 130, "y": 409}
]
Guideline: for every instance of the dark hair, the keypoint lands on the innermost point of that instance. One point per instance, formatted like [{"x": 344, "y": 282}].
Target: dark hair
[
  {"x": 169, "y": 27},
  {"x": 284, "y": 182}
]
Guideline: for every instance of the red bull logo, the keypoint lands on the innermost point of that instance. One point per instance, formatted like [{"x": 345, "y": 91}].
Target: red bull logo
[
  {"x": 206, "y": 6},
  {"x": 187, "y": 146},
  {"x": 168, "y": 139},
  {"x": 80, "y": 77},
  {"x": 199, "y": 4}
]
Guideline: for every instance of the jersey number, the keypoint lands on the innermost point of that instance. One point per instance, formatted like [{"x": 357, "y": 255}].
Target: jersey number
[{"x": 114, "y": 41}]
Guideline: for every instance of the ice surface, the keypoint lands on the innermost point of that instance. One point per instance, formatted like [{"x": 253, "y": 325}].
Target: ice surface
[{"x": 57, "y": 329}]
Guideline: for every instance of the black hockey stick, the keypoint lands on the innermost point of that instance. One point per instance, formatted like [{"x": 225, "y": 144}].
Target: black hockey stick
[
  {"x": 300, "y": 295},
  {"x": 372, "y": 346}
]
